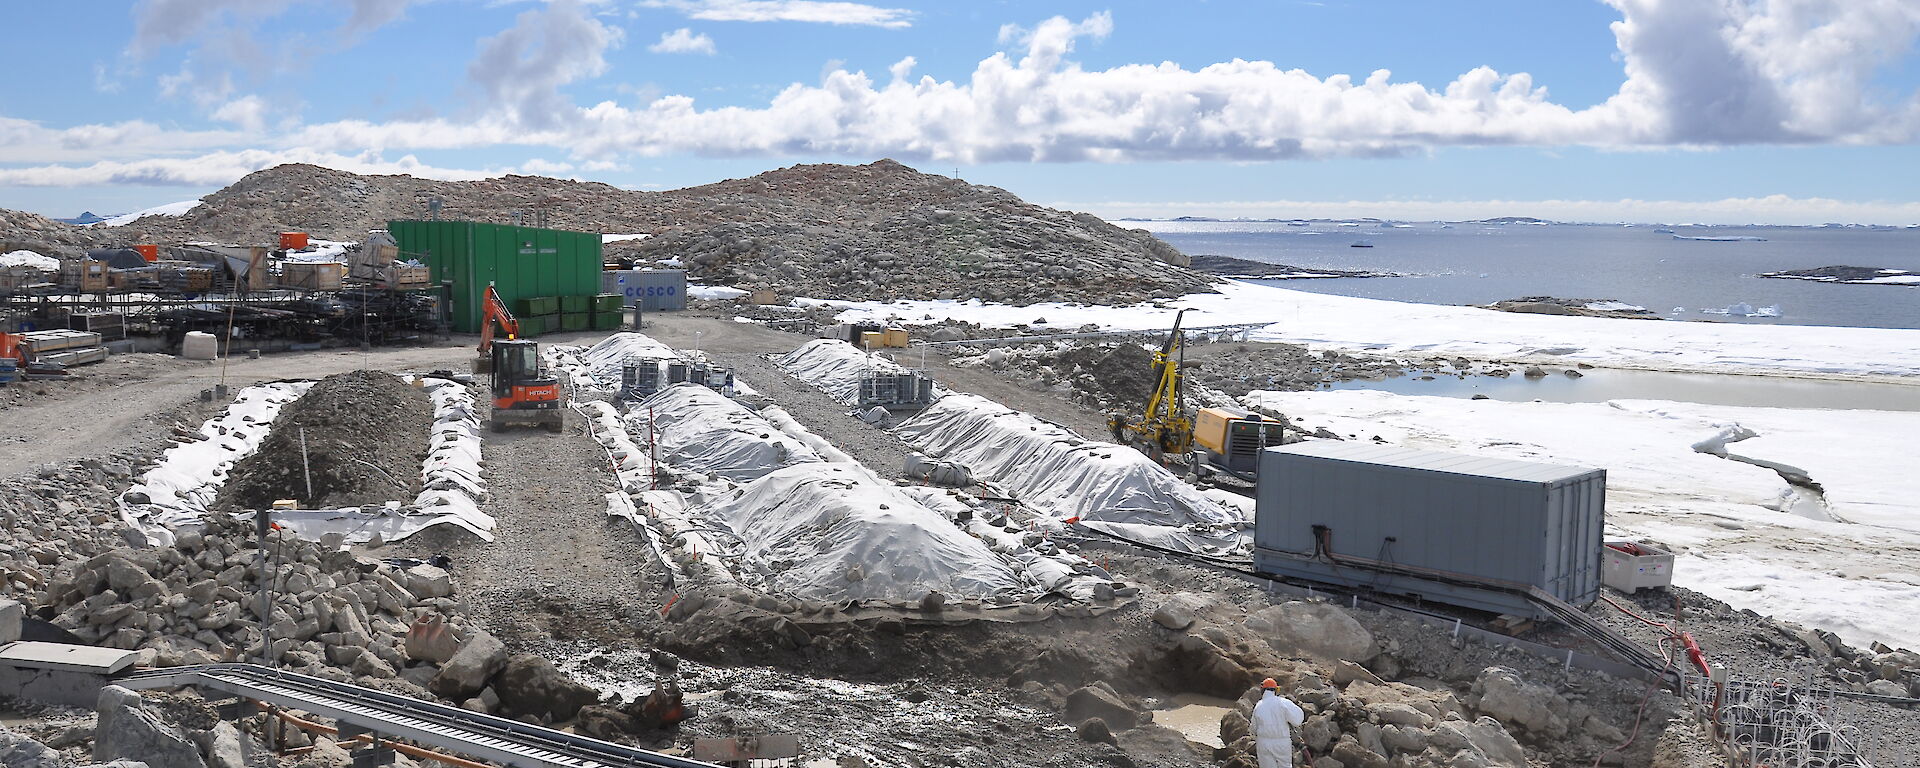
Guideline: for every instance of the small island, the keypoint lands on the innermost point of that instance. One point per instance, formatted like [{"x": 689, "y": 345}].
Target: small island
[
  {"x": 1247, "y": 269},
  {"x": 1850, "y": 275}
]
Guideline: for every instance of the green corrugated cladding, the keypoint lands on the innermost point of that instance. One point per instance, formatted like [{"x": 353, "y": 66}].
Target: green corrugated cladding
[{"x": 520, "y": 262}]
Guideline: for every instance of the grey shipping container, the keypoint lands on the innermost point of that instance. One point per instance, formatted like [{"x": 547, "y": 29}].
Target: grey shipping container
[
  {"x": 654, "y": 290},
  {"x": 1461, "y": 530}
]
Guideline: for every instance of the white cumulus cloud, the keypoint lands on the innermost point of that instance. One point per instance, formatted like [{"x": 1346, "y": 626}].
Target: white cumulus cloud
[
  {"x": 523, "y": 68},
  {"x": 683, "y": 40}
]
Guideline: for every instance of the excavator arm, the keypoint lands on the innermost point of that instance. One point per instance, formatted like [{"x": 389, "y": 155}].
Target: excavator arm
[{"x": 493, "y": 312}]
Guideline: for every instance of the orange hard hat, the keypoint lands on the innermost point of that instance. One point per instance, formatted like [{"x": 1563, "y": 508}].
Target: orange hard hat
[{"x": 1269, "y": 684}]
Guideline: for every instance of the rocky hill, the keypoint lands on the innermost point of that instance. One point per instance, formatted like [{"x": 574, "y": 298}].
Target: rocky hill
[{"x": 876, "y": 231}]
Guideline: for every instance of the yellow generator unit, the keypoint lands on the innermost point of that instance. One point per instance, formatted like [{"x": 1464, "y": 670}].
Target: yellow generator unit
[{"x": 1231, "y": 439}]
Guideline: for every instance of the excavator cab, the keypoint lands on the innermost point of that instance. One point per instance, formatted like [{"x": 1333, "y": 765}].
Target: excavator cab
[{"x": 522, "y": 392}]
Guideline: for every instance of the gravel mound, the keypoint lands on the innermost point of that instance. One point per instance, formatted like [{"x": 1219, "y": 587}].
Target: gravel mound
[{"x": 366, "y": 434}]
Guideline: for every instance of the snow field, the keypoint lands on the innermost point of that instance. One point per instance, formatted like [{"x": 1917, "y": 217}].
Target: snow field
[{"x": 1739, "y": 536}]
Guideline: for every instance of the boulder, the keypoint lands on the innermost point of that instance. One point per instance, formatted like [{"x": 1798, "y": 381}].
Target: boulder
[
  {"x": 12, "y": 614},
  {"x": 1486, "y": 738},
  {"x": 225, "y": 747},
  {"x": 1500, "y": 692},
  {"x": 429, "y": 581},
  {"x": 1091, "y": 702},
  {"x": 128, "y": 729},
  {"x": 532, "y": 686},
  {"x": 470, "y": 669},
  {"x": 17, "y": 751},
  {"x": 1182, "y": 610},
  {"x": 1096, "y": 730},
  {"x": 1318, "y": 630}
]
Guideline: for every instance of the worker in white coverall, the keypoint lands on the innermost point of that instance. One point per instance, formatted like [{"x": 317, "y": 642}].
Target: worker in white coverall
[{"x": 1273, "y": 721}]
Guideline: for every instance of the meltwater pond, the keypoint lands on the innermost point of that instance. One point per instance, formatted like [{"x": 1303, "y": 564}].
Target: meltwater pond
[{"x": 1603, "y": 384}]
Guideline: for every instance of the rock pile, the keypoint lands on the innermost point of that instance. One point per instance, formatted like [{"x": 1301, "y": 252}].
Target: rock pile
[
  {"x": 880, "y": 230},
  {"x": 57, "y": 518},
  {"x": 1364, "y": 692},
  {"x": 196, "y": 602},
  {"x": 365, "y": 436}
]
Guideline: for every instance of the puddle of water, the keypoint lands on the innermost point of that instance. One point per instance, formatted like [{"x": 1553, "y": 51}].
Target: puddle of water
[
  {"x": 1196, "y": 717},
  {"x": 1602, "y": 384}
]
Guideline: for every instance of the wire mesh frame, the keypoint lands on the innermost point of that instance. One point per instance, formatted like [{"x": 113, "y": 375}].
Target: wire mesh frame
[{"x": 1777, "y": 723}]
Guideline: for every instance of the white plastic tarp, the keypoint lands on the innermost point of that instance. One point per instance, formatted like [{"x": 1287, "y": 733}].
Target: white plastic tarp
[
  {"x": 836, "y": 367},
  {"x": 1056, "y": 471},
  {"x": 598, "y": 367},
  {"x": 190, "y": 474},
  {"x": 697, "y": 429},
  {"x": 844, "y": 533}
]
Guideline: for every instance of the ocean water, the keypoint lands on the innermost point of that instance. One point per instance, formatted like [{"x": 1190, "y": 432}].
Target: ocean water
[{"x": 1480, "y": 264}]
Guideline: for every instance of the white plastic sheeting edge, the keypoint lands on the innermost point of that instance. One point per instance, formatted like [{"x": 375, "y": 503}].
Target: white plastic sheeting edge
[
  {"x": 836, "y": 368},
  {"x": 1058, "y": 472},
  {"x": 191, "y": 474},
  {"x": 177, "y": 490},
  {"x": 451, "y": 484}
]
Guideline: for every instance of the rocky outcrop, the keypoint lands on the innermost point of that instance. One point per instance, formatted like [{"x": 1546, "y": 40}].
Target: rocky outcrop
[{"x": 875, "y": 231}]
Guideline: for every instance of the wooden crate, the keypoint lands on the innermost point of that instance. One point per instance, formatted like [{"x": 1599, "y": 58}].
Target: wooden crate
[
  {"x": 85, "y": 274},
  {"x": 312, "y": 275},
  {"x": 408, "y": 276}
]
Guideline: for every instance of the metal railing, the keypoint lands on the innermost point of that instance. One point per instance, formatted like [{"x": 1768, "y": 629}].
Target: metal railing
[{"x": 507, "y": 742}]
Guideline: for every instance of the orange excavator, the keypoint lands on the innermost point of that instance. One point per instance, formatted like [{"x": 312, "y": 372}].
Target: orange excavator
[{"x": 523, "y": 392}]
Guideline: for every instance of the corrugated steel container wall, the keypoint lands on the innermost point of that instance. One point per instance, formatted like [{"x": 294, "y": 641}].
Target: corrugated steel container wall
[
  {"x": 655, "y": 290},
  {"x": 1539, "y": 531},
  {"x": 521, "y": 262}
]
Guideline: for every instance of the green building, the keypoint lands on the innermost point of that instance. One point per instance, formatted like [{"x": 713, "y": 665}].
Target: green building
[{"x": 520, "y": 262}]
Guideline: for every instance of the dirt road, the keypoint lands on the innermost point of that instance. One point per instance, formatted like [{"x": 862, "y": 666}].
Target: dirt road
[{"x": 121, "y": 403}]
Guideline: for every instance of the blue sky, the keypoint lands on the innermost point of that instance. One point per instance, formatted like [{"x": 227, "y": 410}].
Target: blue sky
[{"x": 1790, "y": 111}]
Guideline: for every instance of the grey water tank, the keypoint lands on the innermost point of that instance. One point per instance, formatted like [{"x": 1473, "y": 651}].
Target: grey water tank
[
  {"x": 654, "y": 290},
  {"x": 1460, "y": 530}
]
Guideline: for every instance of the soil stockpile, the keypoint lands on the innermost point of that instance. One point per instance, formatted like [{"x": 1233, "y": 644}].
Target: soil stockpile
[
  {"x": 366, "y": 435},
  {"x": 876, "y": 231}
]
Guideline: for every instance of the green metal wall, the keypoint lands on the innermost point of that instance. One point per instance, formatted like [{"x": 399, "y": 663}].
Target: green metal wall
[{"x": 521, "y": 262}]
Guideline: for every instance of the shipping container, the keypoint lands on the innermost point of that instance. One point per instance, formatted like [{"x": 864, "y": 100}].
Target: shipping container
[
  {"x": 654, "y": 290},
  {"x": 1462, "y": 530},
  {"x": 148, "y": 251},
  {"x": 520, "y": 262},
  {"x": 293, "y": 241}
]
